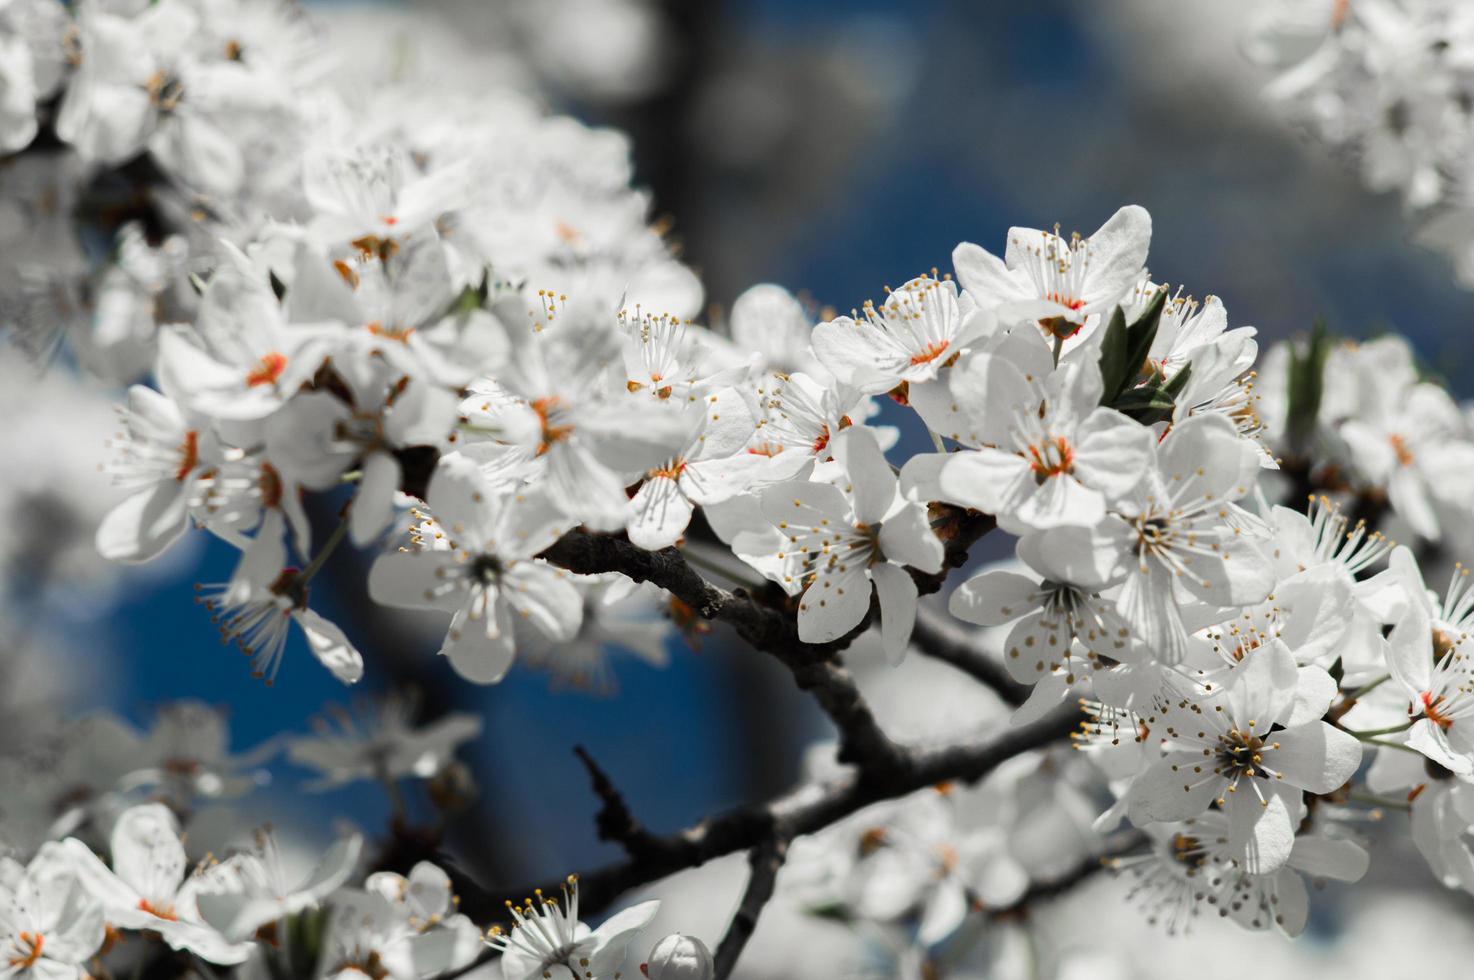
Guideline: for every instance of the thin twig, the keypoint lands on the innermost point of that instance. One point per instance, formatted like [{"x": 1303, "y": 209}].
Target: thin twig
[
  {"x": 1053, "y": 887},
  {"x": 805, "y": 810},
  {"x": 765, "y": 860},
  {"x": 614, "y": 820}
]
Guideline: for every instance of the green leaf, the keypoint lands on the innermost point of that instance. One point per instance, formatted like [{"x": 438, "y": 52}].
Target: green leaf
[
  {"x": 1140, "y": 334},
  {"x": 1178, "y": 381},
  {"x": 1144, "y": 398},
  {"x": 1124, "y": 348},
  {"x": 1114, "y": 365},
  {"x": 1307, "y": 387}
]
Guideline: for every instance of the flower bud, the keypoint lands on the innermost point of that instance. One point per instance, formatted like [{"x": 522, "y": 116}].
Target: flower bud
[{"x": 678, "y": 957}]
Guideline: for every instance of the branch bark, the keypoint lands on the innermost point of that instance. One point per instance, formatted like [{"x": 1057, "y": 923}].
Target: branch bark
[
  {"x": 766, "y": 860},
  {"x": 815, "y": 667},
  {"x": 805, "y": 810}
]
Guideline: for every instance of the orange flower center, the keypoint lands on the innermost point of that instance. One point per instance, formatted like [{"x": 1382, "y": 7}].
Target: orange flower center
[
  {"x": 267, "y": 370},
  {"x": 401, "y": 334},
  {"x": 931, "y": 352},
  {"x": 27, "y": 950},
  {"x": 165, "y": 912},
  {"x": 1051, "y": 458},
  {"x": 1399, "y": 446},
  {"x": 189, "y": 455},
  {"x": 1062, "y": 300},
  {"x": 551, "y": 433},
  {"x": 671, "y": 472},
  {"x": 1433, "y": 710}
]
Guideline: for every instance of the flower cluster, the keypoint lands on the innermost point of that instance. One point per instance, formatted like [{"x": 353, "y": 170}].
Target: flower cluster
[
  {"x": 98, "y": 870},
  {"x": 68, "y": 913},
  {"x": 443, "y": 328},
  {"x": 1390, "y": 82}
]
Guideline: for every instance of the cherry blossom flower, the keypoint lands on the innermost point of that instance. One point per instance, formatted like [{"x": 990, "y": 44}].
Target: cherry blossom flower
[
  {"x": 1403, "y": 435},
  {"x": 477, "y": 561},
  {"x": 163, "y": 461},
  {"x": 148, "y": 886},
  {"x": 907, "y": 339},
  {"x": 703, "y": 473},
  {"x": 1050, "y": 616},
  {"x": 250, "y": 889},
  {"x": 1046, "y": 278},
  {"x": 618, "y": 615},
  {"x": 836, "y": 540},
  {"x": 769, "y": 322},
  {"x": 248, "y": 359},
  {"x": 263, "y": 599},
  {"x": 1228, "y": 752},
  {"x": 1181, "y": 536},
  {"x": 1435, "y": 674},
  {"x": 547, "y": 939},
  {"x": 379, "y": 741},
  {"x": 1050, "y": 454},
  {"x": 588, "y": 434},
  {"x": 50, "y": 926},
  {"x": 399, "y": 927}
]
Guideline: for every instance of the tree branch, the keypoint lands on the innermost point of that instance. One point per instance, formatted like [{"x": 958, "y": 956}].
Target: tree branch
[
  {"x": 940, "y": 639},
  {"x": 766, "y": 859},
  {"x": 614, "y": 820},
  {"x": 805, "y": 810},
  {"x": 1058, "y": 885},
  {"x": 815, "y": 667}
]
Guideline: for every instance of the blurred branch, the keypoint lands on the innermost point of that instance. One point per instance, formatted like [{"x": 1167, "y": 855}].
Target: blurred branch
[
  {"x": 766, "y": 860},
  {"x": 939, "y": 638},
  {"x": 1060, "y": 884}
]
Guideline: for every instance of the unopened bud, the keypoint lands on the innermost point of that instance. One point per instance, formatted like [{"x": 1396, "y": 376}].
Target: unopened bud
[{"x": 678, "y": 957}]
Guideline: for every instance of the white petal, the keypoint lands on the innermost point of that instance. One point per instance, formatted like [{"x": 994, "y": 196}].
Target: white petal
[
  {"x": 1170, "y": 789},
  {"x": 897, "y": 592},
  {"x": 907, "y": 538},
  {"x": 994, "y": 598},
  {"x": 873, "y": 485},
  {"x": 1260, "y": 832},
  {"x": 145, "y": 524},
  {"x": 834, "y": 604},
  {"x": 1328, "y": 857},
  {"x": 330, "y": 646},
  {"x": 1316, "y": 756},
  {"x": 659, "y": 514},
  {"x": 373, "y": 507}
]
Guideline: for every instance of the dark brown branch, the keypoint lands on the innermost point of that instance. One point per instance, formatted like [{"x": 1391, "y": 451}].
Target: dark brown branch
[
  {"x": 939, "y": 638},
  {"x": 772, "y": 630},
  {"x": 614, "y": 820},
  {"x": 805, "y": 810},
  {"x": 765, "y": 860},
  {"x": 959, "y": 530}
]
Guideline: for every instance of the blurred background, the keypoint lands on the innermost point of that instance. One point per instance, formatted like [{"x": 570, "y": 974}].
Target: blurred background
[{"x": 833, "y": 148}]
